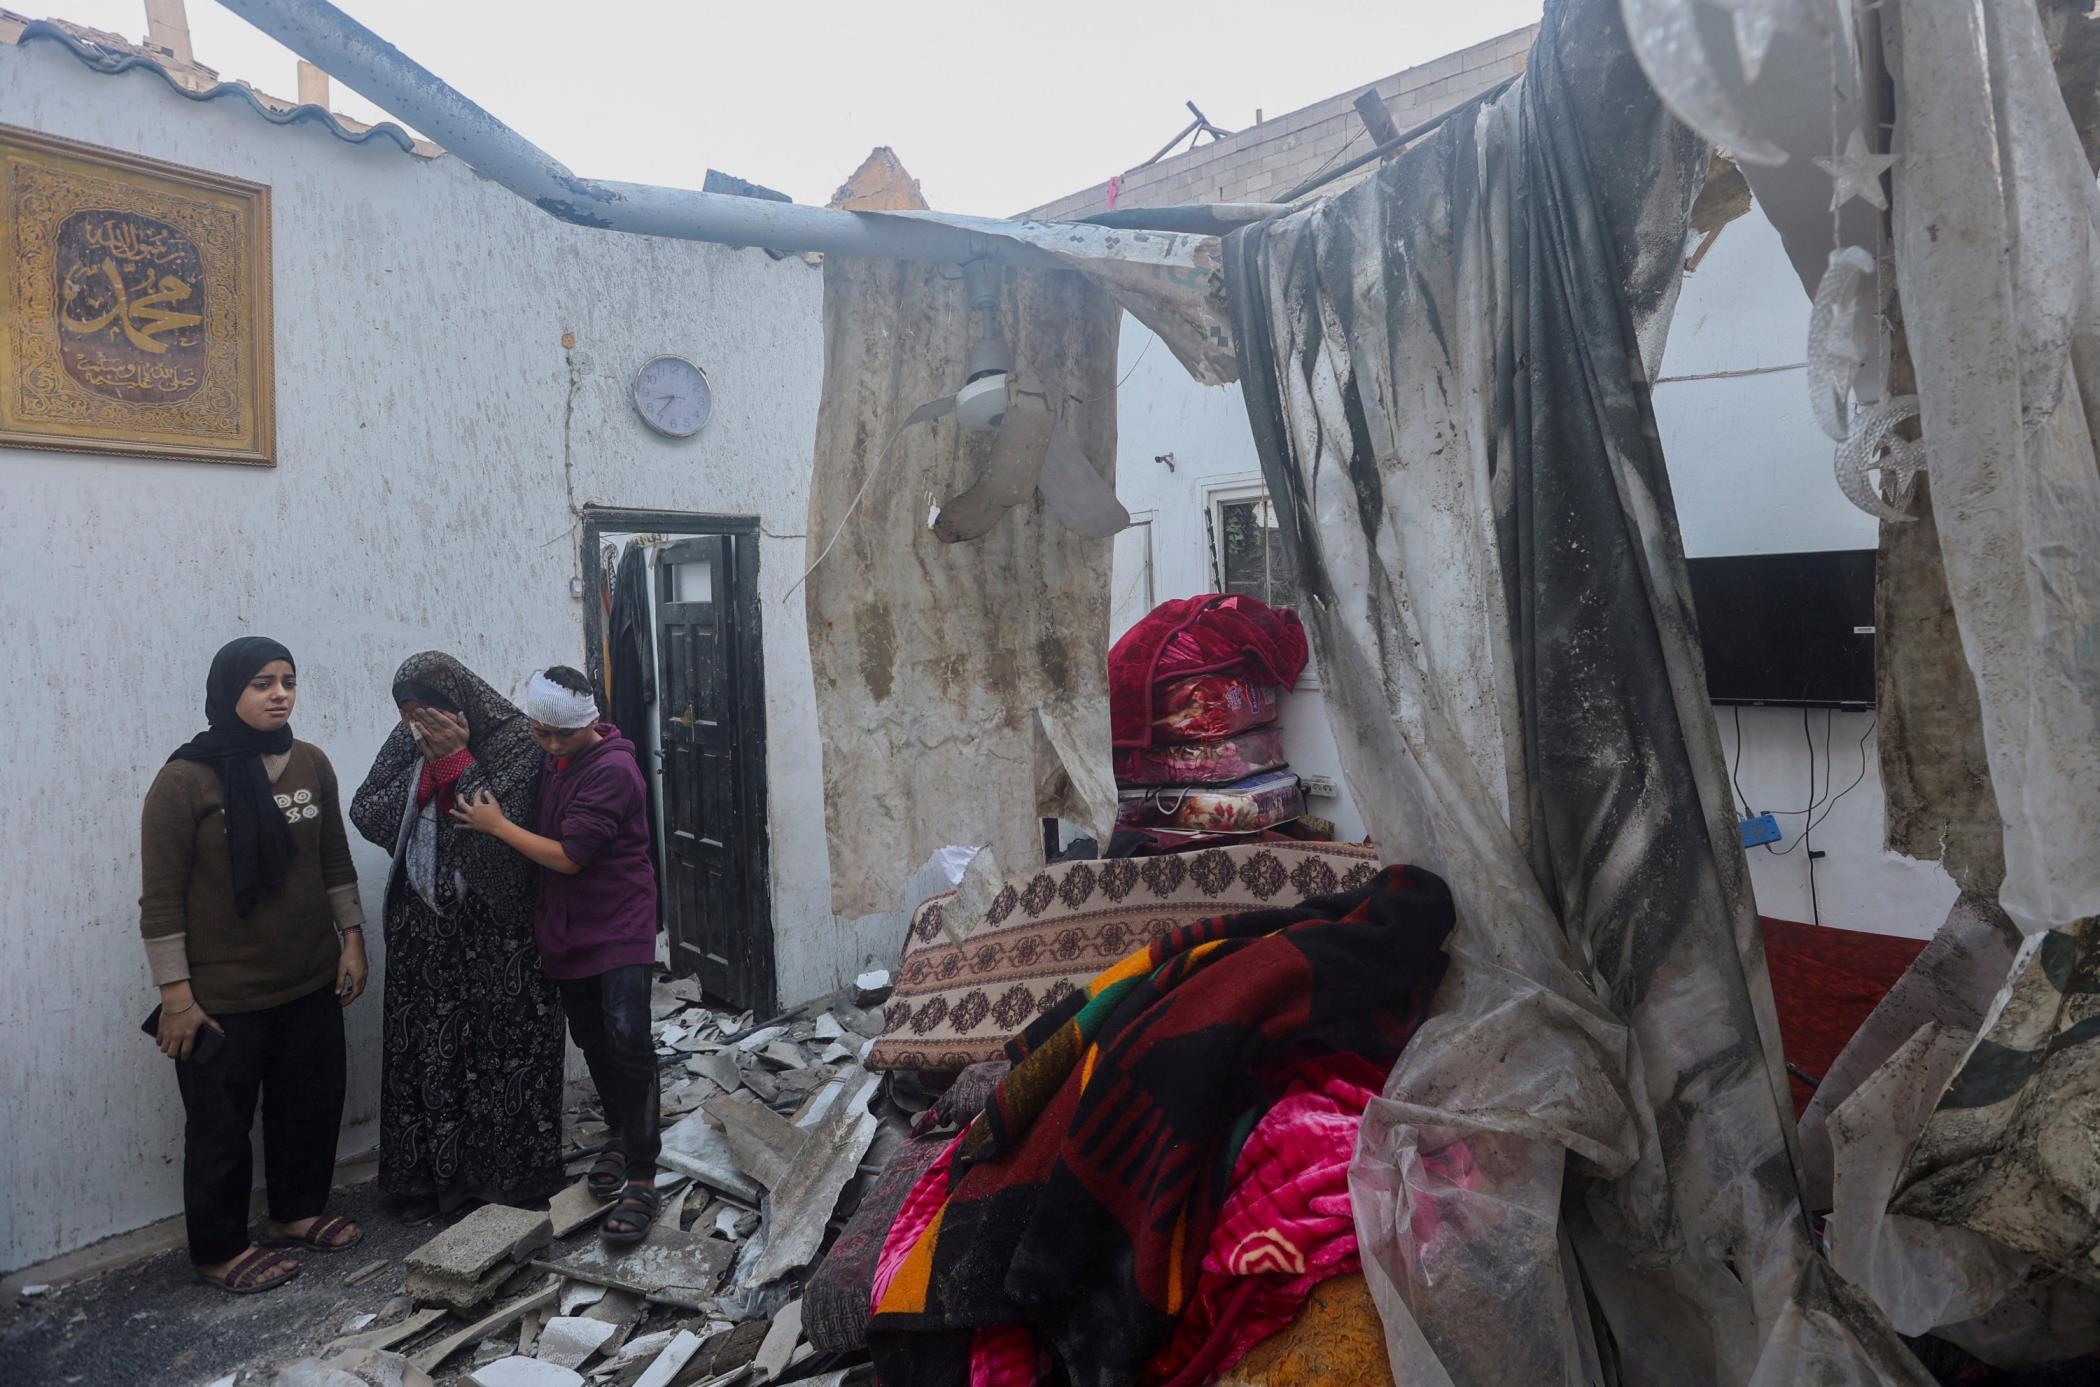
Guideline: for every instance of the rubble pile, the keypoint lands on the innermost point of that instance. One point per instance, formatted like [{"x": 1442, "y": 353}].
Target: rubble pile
[{"x": 773, "y": 1131}]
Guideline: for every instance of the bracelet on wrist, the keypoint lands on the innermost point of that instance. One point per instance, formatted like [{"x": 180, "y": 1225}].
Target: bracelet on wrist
[{"x": 191, "y": 1007}]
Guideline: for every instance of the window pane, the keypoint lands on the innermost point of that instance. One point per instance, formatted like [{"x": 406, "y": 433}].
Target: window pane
[
  {"x": 1251, "y": 558},
  {"x": 693, "y": 582}
]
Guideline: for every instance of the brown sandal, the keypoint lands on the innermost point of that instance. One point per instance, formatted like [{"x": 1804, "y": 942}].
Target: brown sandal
[
  {"x": 317, "y": 1235},
  {"x": 249, "y": 1273}
]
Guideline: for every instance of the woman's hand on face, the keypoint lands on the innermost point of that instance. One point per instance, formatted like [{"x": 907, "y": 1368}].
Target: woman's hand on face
[
  {"x": 443, "y": 733},
  {"x": 179, "y": 1031},
  {"x": 350, "y": 970},
  {"x": 477, "y": 810}
]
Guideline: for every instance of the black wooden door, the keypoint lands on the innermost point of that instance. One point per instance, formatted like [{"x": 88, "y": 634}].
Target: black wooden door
[{"x": 710, "y": 703}]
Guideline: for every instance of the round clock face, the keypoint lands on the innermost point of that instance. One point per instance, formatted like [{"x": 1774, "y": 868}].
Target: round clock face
[{"x": 672, "y": 396}]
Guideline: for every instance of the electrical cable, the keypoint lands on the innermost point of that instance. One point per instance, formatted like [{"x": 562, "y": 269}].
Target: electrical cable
[
  {"x": 1815, "y": 906},
  {"x": 1809, "y": 813},
  {"x": 1735, "y": 770},
  {"x": 1819, "y": 820},
  {"x": 1872, "y": 723}
]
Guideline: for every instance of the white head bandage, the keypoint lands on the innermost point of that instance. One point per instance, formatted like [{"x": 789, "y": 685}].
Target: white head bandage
[{"x": 550, "y": 705}]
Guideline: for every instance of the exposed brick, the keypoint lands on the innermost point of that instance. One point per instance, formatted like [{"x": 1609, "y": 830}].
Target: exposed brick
[{"x": 1226, "y": 169}]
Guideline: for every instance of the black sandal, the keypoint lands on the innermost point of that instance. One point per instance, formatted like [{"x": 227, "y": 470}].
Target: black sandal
[
  {"x": 608, "y": 1174},
  {"x": 629, "y": 1221}
]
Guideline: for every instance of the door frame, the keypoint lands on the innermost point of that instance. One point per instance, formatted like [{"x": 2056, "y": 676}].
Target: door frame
[{"x": 750, "y": 691}]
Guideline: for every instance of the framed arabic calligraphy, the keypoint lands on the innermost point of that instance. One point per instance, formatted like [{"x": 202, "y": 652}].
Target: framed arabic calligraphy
[{"x": 137, "y": 306}]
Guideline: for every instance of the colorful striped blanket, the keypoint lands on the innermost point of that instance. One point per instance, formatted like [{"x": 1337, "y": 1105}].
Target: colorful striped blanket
[{"x": 1081, "y": 1203}]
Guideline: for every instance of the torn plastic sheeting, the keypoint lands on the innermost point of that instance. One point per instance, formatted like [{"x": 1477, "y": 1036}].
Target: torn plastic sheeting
[
  {"x": 1995, "y": 217},
  {"x": 1811, "y": 90},
  {"x": 1443, "y": 371},
  {"x": 1171, "y": 282},
  {"x": 1952, "y": 983},
  {"x": 1939, "y": 804},
  {"x": 1920, "y": 1273},
  {"x": 935, "y": 663},
  {"x": 1831, "y": 1335},
  {"x": 2008, "y": 1150}
]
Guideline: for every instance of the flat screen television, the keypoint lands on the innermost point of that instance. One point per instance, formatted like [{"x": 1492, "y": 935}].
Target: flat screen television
[{"x": 1791, "y": 630}]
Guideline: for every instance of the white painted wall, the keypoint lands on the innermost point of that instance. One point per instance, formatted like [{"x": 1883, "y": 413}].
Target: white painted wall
[
  {"x": 1161, "y": 411},
  {"x": 432, "y": 438},
  {"x": 1751, "y": 474}
]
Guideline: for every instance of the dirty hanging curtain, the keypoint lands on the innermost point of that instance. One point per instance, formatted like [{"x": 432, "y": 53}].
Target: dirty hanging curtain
[
  {"x": 1446, "y": 371},
  {"x": 962, "y": 689}
]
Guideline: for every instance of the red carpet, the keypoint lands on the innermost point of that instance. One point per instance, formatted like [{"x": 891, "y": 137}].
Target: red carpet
[{"x": 1825, "y": 981}]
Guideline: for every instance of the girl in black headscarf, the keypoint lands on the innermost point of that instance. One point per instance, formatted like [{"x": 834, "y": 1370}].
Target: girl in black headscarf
[
  {"x": 470, "y": 1091},
  {"x": 254, "y": 936}
]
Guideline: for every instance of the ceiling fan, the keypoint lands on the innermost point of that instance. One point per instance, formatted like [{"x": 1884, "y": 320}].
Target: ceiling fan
[{"x": 1033, "y": 449}]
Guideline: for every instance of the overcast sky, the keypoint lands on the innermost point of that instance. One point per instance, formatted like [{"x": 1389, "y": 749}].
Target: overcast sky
[{"x": 993, "y": 107}]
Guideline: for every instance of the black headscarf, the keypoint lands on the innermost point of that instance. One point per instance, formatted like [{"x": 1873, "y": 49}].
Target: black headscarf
[{"x": 256, "y": 832}]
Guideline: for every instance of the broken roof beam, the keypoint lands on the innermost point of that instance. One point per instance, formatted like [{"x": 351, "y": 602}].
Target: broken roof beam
[{"x": 381, "y": 73}]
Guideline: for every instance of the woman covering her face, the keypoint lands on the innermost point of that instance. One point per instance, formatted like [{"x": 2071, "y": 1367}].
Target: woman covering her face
[
  {"x": 470, "y": 1089},
  {"x": 253, "y": 935}
]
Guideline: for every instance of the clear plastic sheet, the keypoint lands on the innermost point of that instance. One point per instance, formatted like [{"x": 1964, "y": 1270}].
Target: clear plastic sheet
[
  {"x": 2008, "y": 1150},
  {"x": 1443, "y": 368},
  {"x": 1951, "y": 984},
  {"x": 1830, "y": 1335},
  {"x": 1994, "y": 223},
  {"x": 1921, "y": 1274}
]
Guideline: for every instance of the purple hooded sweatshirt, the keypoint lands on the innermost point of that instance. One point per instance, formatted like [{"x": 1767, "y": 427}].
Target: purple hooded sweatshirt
[{"x": 604, "y": 916}]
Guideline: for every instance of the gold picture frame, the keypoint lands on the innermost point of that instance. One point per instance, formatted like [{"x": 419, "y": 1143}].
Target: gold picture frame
[{"x": 136, "y": 314}]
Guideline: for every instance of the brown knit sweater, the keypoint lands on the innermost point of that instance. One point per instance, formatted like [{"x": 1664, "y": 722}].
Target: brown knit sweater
[{"x": 286, "y": 946}]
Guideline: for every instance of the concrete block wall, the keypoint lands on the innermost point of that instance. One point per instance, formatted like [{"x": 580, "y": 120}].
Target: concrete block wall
[{"x": 1263, "y": 162}]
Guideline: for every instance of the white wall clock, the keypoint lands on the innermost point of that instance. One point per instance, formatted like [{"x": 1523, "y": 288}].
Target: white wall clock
[{"x": 672, "y": 396}]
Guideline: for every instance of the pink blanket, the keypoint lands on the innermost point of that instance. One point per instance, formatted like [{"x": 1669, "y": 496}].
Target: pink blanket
[{"x": 1285, "y": 1226}]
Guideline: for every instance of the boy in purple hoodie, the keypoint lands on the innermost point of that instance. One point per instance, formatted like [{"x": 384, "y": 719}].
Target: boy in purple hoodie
[{"x": 596, "y": 922}]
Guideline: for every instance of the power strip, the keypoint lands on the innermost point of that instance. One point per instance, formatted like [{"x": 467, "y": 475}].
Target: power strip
[{"x": 1758, "y": 831}]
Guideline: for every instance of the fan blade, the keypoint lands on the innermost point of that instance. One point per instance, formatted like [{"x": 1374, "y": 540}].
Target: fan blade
[
  {"x": 1078, "y": 494},
  {"x": 931, "y": 410},
  {"x": 1008, "y": 479}
]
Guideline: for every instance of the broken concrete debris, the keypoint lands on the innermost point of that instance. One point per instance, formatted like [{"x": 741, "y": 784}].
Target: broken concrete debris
[
  {"x": 574, "y": 1208},
  {"x": 387, "y": 1336},
  {"x": 761, "y": 1142},
  {"x": 675, "y": 1355},
  {"x": 568, "y": 1340},
  {"x": 770, "y": 1122},
  {"x": 518, "y": 1371},
  {"x": 777, "y": 1350},
  {"x": 466, "y": 1265},
  {"x": 429, "y": 1359}
]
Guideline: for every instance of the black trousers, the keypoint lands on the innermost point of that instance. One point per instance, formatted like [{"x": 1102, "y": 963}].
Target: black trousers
[
  {"x": 609, "y": 1017},
  {"x": 290, "y": 1056}
]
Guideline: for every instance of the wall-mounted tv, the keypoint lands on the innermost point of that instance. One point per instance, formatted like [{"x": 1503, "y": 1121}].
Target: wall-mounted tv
[{"x": 1792, "y": 630}]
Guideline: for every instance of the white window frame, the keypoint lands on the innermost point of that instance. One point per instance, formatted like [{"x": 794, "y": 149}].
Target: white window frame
[
  {"x": 1247, "y": 486},
  {"x": 1149, "y": 519}
]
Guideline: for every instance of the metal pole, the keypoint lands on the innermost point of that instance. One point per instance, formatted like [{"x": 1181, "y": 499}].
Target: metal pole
[
  {"x": 1385, "y": 147},
  {"x": 381, "y": 73}
]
